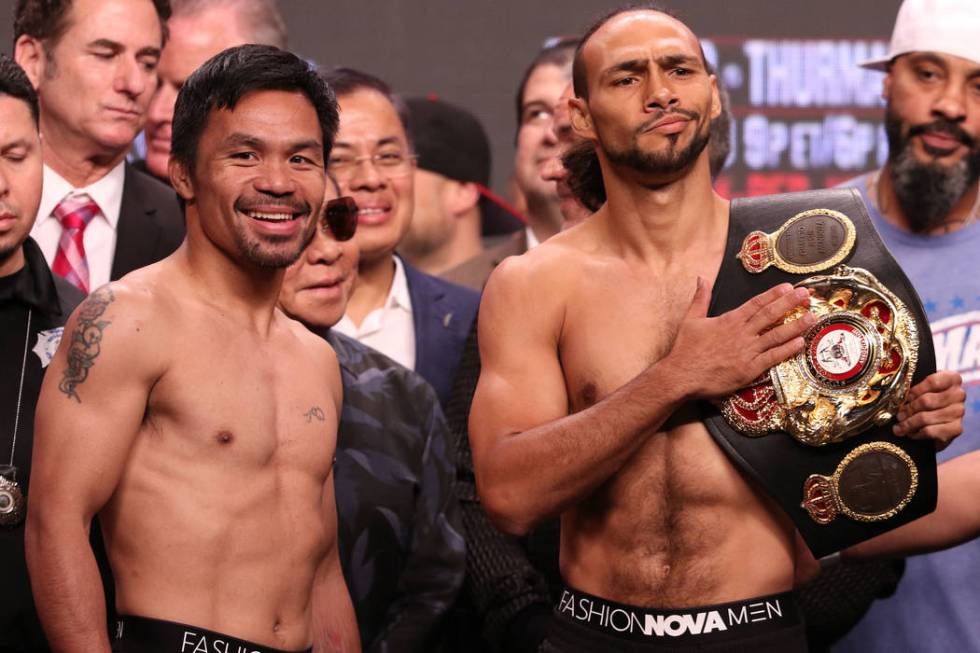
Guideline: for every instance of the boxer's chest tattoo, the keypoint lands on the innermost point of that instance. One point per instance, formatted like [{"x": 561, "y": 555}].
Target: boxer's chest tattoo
[
  {"x": 86, "y": 341},
  {"x": 315, "y": 413}
]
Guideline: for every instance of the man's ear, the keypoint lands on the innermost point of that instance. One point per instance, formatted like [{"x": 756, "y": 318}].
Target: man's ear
[
  {"x": 886, "y": 85},
  {"x": 30, "y": 55},
  {"x": 715, "y": 97},
  {"x": 461, "y": 197},
  {"x": 180, "y": 179},
  {"x": 581, "y": 119}
]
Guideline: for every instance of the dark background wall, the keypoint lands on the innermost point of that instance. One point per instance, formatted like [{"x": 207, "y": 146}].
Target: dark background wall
[{"x": 473, "y": 52}]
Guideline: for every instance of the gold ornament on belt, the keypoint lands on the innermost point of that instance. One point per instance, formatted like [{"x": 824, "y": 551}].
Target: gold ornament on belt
[
  {"x": 811, "y": 241},
  {"x": 873, "y": 482},
  {"x": 853, "y": 373}
]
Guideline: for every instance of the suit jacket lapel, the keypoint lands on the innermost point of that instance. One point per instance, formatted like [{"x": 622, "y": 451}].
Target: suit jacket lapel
[
  {"x": 137, "y": 233},
  {"x": 427, "y": 310}
]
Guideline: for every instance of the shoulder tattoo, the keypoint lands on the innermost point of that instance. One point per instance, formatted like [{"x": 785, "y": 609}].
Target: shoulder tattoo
[{"x": 86, "y": 341}]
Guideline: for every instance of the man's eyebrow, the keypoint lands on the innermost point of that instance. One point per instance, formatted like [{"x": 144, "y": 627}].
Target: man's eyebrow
[
  {"x": 306, "y": 144},
  {"x": 387, "y": 140},
  {"x": 928, "y": 57},
  {"x": 108, "y": 44},
  {"x": 20, "y": 142},
  {"x": 628, "y": 66},
  {"x": 671, "y": 60},
  {"x": 148, "y": 51},
  {"x": 116, "y": 47},
  {"x": 536, "y": 104},
  {"x": 239, "y": 139}
]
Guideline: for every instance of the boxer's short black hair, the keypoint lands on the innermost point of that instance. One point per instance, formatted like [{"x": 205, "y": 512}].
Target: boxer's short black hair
[{"x": 230, "y": 75}]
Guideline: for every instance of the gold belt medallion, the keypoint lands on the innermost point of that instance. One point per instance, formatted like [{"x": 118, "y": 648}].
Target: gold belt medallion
[
  {"x": 811, "y": 241},
  {"x": 873, "y": 482}
]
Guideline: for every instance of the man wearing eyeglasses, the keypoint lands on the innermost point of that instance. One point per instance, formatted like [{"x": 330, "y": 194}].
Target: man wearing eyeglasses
[
  {"x": 418, "y": 320},
  {"x": 399, "y": 531}
]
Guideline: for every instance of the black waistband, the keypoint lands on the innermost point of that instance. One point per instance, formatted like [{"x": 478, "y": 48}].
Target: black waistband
[
  {"x": 711, "y": 623},
  {"x": 144, "y": 635}
]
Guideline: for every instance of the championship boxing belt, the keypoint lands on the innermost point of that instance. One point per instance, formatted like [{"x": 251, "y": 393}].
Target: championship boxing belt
[{"x": 815, "y": 431}]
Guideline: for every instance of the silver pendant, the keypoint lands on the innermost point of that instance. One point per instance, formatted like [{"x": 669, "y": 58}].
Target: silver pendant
[{"x": 11, "y": 503}]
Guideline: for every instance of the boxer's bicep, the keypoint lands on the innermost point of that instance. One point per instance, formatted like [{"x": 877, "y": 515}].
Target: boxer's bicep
[
  {"x": 91, "y": 405},
  {"x": 521, "y": 384}
]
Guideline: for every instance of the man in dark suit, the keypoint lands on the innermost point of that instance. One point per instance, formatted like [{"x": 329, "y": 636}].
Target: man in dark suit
[
  {"x": 418, "y": 320},
  {"x": 93, "y": 63}
]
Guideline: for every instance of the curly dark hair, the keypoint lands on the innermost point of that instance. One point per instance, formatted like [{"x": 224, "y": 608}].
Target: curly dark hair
[{"x": 47, "y": 20}]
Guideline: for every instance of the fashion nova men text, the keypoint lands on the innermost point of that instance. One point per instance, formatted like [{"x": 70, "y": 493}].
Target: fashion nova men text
[
  {"x": 195, "y": 643},
  {"x": 623, "y": 620}
]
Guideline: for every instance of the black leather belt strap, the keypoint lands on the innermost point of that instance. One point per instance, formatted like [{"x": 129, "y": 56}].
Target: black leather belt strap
[{"x": 777, "y": 462}]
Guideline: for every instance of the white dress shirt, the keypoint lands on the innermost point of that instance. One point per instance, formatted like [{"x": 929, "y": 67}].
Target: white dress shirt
[
  {"x": 390, "y": 328},
  {"x": 100, "y": 234},
  {"x": 532, "y": 240}
]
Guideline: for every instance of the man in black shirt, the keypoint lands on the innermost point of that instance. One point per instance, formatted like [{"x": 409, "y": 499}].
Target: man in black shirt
[{"x": 34, "y": 305}]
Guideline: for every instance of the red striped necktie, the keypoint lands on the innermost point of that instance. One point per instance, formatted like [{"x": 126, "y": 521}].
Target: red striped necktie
[{"x": 74, "y": 213}]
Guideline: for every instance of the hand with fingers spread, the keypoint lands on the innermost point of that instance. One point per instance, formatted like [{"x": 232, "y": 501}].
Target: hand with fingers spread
[
  {"x": 715, "y": 356},
  {"x": 934, "y": 409}
]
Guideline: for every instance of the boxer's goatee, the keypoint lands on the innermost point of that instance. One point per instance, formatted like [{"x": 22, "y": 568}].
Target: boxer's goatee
[{"x": 668, "y": 161}]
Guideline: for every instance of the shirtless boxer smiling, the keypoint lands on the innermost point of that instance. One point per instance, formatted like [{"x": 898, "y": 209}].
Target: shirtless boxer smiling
[
  {"x": 593, "y": 350},
  {"x": 191, "y": 415}
]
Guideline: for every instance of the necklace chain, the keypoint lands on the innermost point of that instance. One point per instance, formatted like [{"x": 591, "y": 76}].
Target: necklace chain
[{"x": 20, "y": 388}]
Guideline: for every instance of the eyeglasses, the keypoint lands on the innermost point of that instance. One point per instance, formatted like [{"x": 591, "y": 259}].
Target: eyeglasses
[
  {"x": 340, "y": 216},
  {"x": 391, "y": 164}
]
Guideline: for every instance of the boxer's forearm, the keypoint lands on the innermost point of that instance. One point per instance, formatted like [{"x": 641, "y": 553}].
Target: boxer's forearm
[
  {"x": 334, "y": 624},
  {"x": 933, "y": 532},
  {"x": 66, "y": 583},
  {"x": 536, "y": 474},
  {"x": 955, "y": 520}
]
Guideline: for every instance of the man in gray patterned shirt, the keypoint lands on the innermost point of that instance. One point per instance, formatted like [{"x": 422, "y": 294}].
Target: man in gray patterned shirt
[{"x": 400, "y": 535}]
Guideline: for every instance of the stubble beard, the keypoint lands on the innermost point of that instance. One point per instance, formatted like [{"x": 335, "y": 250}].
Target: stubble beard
[
  {"x": 271, "y": 252},
  {"x": 927, "y": 192},
  {"x": 665, "y": 163}
]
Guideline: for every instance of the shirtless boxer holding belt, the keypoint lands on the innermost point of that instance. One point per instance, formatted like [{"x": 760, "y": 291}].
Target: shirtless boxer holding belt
[
  {"x": 593, "y": 351},
  {"x": 192, "y": 415}
]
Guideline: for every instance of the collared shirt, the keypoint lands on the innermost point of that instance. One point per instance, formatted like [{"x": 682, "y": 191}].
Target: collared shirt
[
  {"x": 532, "y": 240},
  {"x": 100, "y": 234},
  {"x": 399, "y": 530},
  {"x": 390, "y": 328},
  {"x": 938, "y": 589}
]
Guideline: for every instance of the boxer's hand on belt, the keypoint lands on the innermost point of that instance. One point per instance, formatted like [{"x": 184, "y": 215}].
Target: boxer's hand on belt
[
  {"x": 715, "y": 356},
  {"x": 934, "y": 409}
]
